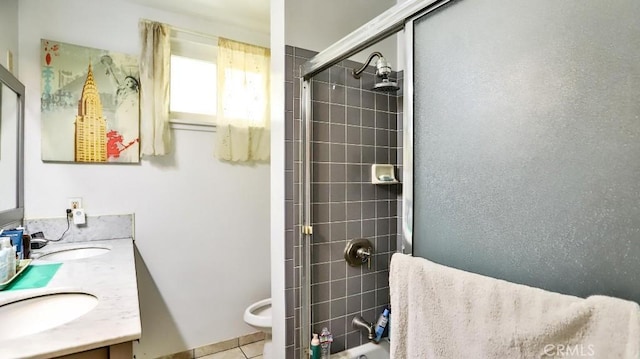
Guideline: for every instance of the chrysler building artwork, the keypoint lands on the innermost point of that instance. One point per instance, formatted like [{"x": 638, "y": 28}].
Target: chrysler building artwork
[
  {"x": 91, "y": 127},
  {"x": 89, "y": 105}
]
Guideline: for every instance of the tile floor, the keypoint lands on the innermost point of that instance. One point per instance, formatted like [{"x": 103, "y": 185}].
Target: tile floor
[{"x": 253, "y": 351}]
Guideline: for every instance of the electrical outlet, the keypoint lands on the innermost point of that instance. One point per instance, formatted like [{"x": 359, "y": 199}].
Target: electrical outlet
[{"x": 75, "y": 203}]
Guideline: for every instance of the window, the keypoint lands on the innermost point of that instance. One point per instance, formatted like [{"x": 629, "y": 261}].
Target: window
[{"x": 193, "y": 84}]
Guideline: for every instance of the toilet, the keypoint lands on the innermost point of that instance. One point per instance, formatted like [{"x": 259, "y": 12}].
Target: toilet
[{"x": 258, "y": 315}]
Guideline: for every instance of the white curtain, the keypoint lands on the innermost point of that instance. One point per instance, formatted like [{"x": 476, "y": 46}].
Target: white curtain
[
  {"x": 155, "y": 71},
  {"x": 243, "y": 125}
]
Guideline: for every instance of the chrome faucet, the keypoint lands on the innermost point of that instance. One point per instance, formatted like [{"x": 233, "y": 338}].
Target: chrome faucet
[{"x": 359, "y": 323}]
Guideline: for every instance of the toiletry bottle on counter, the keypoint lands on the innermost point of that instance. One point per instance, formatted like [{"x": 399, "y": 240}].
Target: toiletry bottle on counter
[
  {"x": 26, "y": 246},
  {"x": 10, "y": 259},
  {"x": 4, "y": 261},
  {"x": 315, "y": 347},
  {"x": 382, "y": 323},
  {"x": 325, "y": 343},
  {"x": 16, "y": 239}
]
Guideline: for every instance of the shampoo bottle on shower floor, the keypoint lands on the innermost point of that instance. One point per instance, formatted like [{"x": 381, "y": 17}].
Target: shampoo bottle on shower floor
[
  {"x": 382, "y": 323},
  {"x": 315, "y": 347},
  {"x": 325, "y": 343}
]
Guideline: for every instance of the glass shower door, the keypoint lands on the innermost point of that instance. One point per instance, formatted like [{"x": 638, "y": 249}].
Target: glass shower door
[{"x": 526, "y": 147}]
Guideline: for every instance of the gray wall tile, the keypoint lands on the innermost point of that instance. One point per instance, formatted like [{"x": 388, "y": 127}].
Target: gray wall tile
[
  {"x": 338, "y": 133},
  {"x": 368, "y": 118},
  {"x": 321, "y": 312},
  {"x": 354, "y": 154},
  {"x": 320, "y": 292},
  {"x": 354, "y": 211},
  {"x": 338, "y": 270},
  {"x": 368, "y": 302},
  {"x": 338, "y": 190},
  {"x": 354, "y": 97},
  {"x": 382, "y": 120},
  {"x": 320, "y": 152},
  {"x": 321, "y": 131},
  {"x": 354, "y": 305},
  {"x": 368, "y": 80},
  {"x": 354, "y": 229},
  {"x": 288, "y": 274},
  {"x": 336, "y": 250},
  {"x": 320, "y": 91},
  {"x": 338, "y": 113},
  {"x": 354, "y": 176},
  {"x": 322, "y": 76},
  {"x": 368, "y": 282},
  {"x": 354, "y": 271},
  {"x": 320, "y": 192},
  {"x": 307, "y": 54},
  {"x": 320, "y": 111},
  {"x": 368, "y": 136},
  {"x": 339, "y": 326},
  {"x": 382, "y": 102},
  {"x": 353, "y": 137},
  {"x": 338, "y": 152},
  {"x": 321, "y": 273},
  {"x": 353, "y": 116},
  {"x": 338, "y": 231},
  {"x": 354, "y": 285},
  {"x": 320, "y": 253},
  {"x": 353, "y": 339},
  {"x": 337, "y": 75},
  {"x": 339, "y": 306},
  {"x": 322, "y": 233},
  {"x": 368, "y": 99},
  {"x": 338, "y": 94}
]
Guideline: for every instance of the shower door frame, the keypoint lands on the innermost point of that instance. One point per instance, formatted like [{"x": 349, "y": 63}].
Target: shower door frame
[{"x": 390, "y": 22}]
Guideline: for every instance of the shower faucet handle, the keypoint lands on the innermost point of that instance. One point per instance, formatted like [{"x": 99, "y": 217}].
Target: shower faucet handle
[
  {"x": 358, "y": 251},
  {"x": 365, "y": 255}
]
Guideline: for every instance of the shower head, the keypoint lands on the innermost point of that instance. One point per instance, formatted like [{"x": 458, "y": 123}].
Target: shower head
[
  {"x": 386, "y": 86},
  {"x": 383, "y": 70}
]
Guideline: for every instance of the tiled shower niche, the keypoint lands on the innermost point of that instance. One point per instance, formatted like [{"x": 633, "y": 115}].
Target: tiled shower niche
[{"x": 353, "y": 128}]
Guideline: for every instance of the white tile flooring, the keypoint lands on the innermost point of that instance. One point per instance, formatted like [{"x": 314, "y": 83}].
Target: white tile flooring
[{"x": 249, "y": 351}]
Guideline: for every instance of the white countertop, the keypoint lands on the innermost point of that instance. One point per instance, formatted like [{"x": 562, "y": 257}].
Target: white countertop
[{"x": 110, "y": 277}]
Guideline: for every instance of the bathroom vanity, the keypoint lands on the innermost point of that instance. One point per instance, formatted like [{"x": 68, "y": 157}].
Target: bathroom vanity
[
  {"x": 102, "y": 274},
  {"x": 89, "y": 308}
]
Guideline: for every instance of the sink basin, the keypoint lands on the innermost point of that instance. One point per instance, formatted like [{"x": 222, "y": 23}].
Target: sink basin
[
  {"x": 74, "y": 253},
  {"x": 37, "y": 314}
]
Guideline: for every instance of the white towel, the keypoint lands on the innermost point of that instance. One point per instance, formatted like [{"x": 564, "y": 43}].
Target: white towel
[{"x": 442, "y": 312}]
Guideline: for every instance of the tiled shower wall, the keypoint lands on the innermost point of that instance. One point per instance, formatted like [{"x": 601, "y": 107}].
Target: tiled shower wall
[{"x": 353, "y": 128}]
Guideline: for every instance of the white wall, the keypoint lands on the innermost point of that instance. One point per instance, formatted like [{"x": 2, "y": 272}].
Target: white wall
[
  {"x": 202, "y": 226},
  {"x": 277, "y": 180},
  {"x": 9, "y": 32},
  {"x": 314, "y": 25}
]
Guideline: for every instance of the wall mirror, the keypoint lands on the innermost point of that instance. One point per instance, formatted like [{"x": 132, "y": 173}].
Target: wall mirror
[{"x": 11, "y": 149}]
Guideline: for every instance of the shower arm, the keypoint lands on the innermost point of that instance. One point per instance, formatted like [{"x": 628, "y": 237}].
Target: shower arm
[{"x": 356, "y": 73}]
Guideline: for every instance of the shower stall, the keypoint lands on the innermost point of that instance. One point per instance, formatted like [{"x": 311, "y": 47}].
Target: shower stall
[
  {"x": 514, "y": 136},
  {"x": 350, "y": 128}
]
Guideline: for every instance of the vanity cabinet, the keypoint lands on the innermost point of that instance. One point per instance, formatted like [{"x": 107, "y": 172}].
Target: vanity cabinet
[
  {"x": 117, "y": 351},
  {"x": 108, "y": 329}
]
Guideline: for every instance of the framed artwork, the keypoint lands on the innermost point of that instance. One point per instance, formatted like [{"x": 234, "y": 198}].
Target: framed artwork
[{"x": 90, "y": 104}]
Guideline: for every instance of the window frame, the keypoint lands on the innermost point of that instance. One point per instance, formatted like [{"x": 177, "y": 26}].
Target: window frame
[{"x": 201, "y": 47}]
